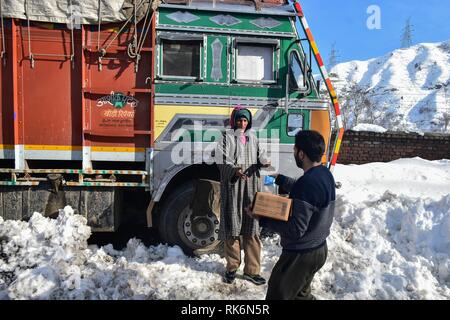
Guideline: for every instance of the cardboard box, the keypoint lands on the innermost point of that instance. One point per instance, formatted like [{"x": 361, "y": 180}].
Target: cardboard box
[{"x": 272, "y": 206}]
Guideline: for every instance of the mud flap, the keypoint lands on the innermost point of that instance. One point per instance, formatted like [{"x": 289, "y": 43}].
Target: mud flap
[{"x": 206, "y": 198}]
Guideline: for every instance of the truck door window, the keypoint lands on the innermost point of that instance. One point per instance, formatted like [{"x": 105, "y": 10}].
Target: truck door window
[
  {"x": 297, "y": 80},
  {"x": 254, "y": 63},
  {"x": 294, "y": 124},
  {"x": 181, "y": 59}
]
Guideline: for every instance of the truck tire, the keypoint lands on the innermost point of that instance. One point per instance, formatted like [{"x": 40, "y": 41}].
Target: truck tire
[{"x": 177, "y": 226}]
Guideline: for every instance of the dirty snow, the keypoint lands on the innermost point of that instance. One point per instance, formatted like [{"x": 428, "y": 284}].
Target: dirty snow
[{"x": 390, "y": 240}]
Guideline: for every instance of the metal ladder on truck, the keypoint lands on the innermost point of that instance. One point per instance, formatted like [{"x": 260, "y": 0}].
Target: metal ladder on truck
[{"x": 339, "y": 127}]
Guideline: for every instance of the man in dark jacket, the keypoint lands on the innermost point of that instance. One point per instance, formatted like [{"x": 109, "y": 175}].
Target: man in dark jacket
[{"x": 303, "y": 236}]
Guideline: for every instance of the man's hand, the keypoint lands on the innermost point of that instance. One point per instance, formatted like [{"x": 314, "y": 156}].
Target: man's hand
[
  {"x": 248, "y": 211},
  {"x": 275, "y": 175},
  {"x": 240, "y": 174},
  {"x": 266, "y": 165}
]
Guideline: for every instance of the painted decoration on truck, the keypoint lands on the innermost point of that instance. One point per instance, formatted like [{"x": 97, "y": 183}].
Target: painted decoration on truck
[
  {"x": 117, "y": 100},
  {"x": 114, "y": 114},
  {"x": 268, "y": 23},
  {"x": 216, "y": 70},
  {"x": 182, "y": 17},
  {"x": 225, "y": 20}
]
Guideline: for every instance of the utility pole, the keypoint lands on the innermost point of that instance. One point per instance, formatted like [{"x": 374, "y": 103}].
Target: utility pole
[
  {"x": 407, "y": 34},
  {"x": 333, "y": 57}
]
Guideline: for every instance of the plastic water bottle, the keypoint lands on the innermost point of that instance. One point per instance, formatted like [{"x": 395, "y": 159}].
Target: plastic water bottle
[
  {"x": 269, "y": 185},
  {"x": 269, "y": 181}
]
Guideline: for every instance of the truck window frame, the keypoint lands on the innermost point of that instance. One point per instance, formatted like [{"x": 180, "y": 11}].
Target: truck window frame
[
  {"x": 180, "y": 37},
  {"x": 299, "y": 113},
  {"x": 302, "y": 63},
  {"x": 274, "y": 43}
]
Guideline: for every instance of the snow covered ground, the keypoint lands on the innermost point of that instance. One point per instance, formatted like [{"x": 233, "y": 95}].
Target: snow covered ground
[{"x": 390, "y": 240}]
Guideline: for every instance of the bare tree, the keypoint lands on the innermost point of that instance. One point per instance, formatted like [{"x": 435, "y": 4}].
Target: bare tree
[
  {"x": 356, "y": 103},
  {"x": 445, "y": 117}
]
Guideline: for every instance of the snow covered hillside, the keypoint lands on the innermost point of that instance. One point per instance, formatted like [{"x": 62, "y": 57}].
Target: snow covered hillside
[
  {"x": 410, "y": 88},
  {"x": 390, "y": 240}
]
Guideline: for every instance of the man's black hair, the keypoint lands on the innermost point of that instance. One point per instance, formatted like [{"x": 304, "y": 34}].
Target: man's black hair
[{"x": 311, "y": 143}]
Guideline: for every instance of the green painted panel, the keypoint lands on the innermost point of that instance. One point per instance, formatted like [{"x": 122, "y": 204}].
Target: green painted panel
[
  {"x": 204, "y": 21},
  {"x": 217, "y": 70},
  {"x": 205, "y": 89},
  {"x": 274, "y": 124}
]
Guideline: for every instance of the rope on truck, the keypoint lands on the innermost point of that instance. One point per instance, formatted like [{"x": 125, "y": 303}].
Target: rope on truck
[
  {"x": 134, "y": 48},
  {"x": 3, "y": 51}
]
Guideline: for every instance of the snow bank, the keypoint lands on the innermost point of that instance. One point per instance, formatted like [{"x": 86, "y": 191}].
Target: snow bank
[
  {"x": 391, "y": 234},
  {"x": 41, "y": 256},
  {"x": 369, "y": 127},
  {"x": 390, "y": 240},
  {"x": 392, "y": 247}
]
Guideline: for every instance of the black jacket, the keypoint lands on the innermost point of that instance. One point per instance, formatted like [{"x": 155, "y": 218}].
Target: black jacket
[{"x": 314, "y": 196}]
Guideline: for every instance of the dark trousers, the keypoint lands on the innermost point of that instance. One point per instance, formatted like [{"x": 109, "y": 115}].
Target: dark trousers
[{"x": 293, "y": 273}]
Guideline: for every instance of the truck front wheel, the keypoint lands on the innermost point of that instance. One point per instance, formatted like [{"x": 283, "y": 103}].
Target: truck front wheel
[{"x": 181, "y": 224}]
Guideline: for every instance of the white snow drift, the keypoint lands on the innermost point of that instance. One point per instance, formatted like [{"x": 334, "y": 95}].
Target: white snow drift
[{"x": 390, "y": 240}]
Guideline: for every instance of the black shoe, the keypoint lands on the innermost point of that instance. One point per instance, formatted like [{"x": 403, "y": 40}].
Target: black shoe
[
  {"x": 229, "y": 276},
  {"x": 256, "y": 279}
]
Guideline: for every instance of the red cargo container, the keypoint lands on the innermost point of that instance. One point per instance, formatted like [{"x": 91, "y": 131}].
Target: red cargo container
[
  {"x": 76, "y": 111},
  {"x": 77, "y": 95}
]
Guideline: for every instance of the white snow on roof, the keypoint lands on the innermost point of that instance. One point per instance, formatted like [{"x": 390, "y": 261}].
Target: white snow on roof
[{"x": 390, "y": 240}]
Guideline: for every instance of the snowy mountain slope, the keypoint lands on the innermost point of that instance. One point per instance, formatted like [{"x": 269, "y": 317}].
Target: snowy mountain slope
[
  {"x": 409, "y": 87},
  {"x": 390, "y": 240}
]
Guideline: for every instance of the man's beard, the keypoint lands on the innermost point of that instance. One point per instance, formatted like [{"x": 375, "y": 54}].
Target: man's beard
[{"x": 298, "y": 162}]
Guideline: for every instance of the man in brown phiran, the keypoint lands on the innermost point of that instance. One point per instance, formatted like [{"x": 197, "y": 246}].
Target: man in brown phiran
[{"x": 239, "y": 159}]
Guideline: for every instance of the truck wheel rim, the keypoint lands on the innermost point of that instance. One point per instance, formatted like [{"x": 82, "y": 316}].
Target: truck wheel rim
[{"x": 201, "y": 231}]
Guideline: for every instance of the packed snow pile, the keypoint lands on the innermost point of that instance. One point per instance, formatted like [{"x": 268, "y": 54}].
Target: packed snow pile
[
  {"x": 43, "y": 256},
  {"x": 409, "y": 88},
  {"x": 369, "y": 127},
  {"x": 391, "y": 234},
  {"x": 390, "y": 240}
]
